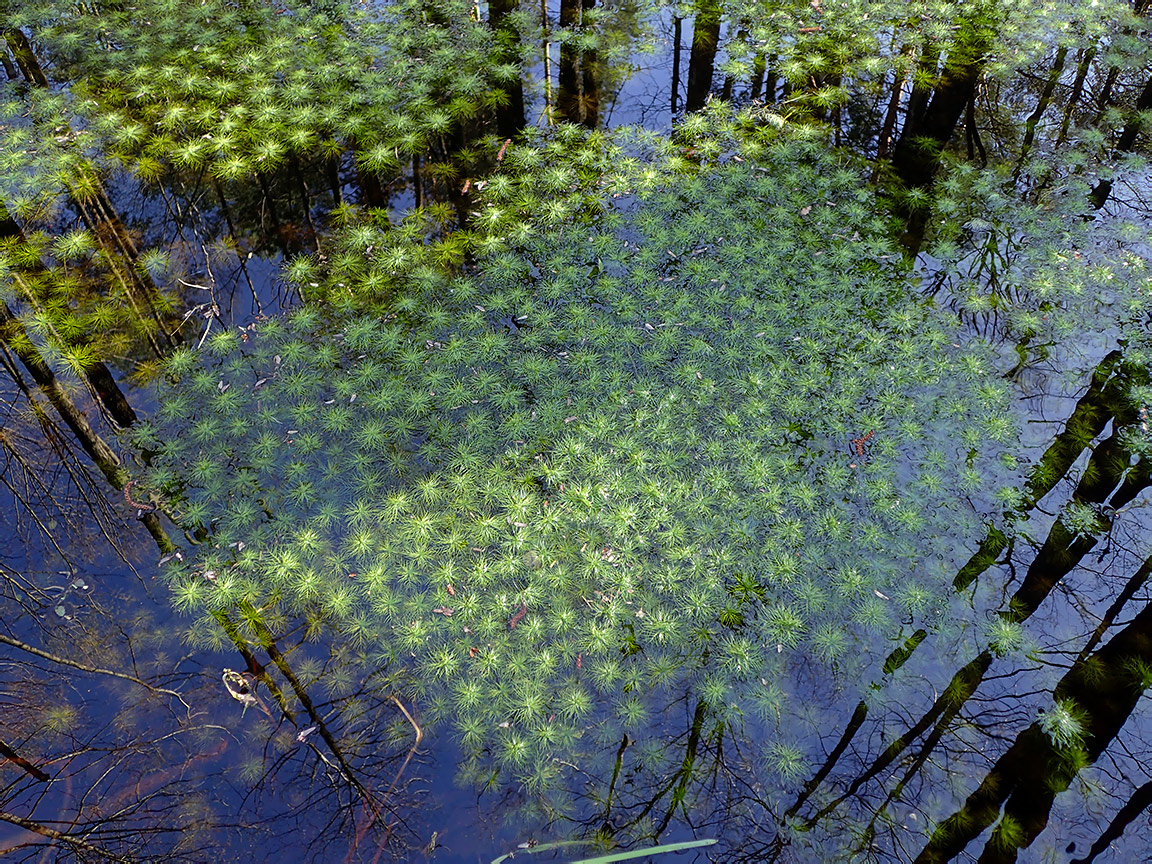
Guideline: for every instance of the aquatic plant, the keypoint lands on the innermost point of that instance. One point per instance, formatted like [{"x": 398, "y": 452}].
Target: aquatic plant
[
  {"x": 1064, "y": 724},
  {"x": 239, "y": 92},
  {"x": 352, "y": 522},
  {"x": 666, "y": 475},
  {"x": 70, "y": 266}
]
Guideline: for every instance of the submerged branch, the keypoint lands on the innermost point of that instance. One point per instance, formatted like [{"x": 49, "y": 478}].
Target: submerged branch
[
  {"x": 95, "y": 670},
  {"x": 53, "y": 834}
]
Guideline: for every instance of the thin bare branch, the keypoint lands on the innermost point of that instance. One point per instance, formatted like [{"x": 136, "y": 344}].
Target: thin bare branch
[
  {"x": 55, "y": 658},
  {"x": 53, "y": 834}
]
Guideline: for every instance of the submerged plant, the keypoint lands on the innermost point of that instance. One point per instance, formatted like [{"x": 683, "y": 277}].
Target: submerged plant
[
  {"x": 211, "y": 87},
  {"x": 574, "y": 476},
  {"x": 1063, "y": 723}
]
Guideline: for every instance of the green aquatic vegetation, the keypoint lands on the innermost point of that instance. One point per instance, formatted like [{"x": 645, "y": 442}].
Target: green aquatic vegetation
[
  {"x": 66, "y": 282},
  {"x": 1064, "y": 724},
  {"x": 549, "y": 505},
  {"x": 207, "y": 88},
  {"x": 1035, "y": 274},
  {"x": 1081, "y": 519}
]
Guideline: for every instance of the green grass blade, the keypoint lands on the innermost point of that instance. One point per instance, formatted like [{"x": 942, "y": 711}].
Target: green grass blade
[
  {"x": 640, "y": 853},
  {"x": 541, "y": 847}
]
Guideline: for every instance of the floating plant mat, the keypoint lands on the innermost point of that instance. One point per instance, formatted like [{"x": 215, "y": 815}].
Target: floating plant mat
[{"x": 664, "y": 450}]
